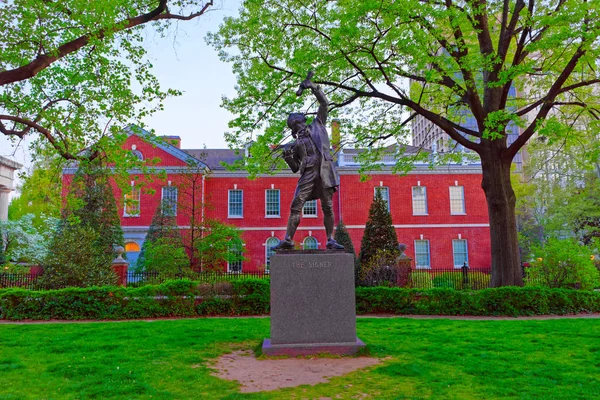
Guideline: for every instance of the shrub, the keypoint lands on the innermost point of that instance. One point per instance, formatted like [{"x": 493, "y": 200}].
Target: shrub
[
  {"x": 379, "y": 234},
  {"x": 166, "y": 258},
  {"x": 380, "y": 270},
  {"x": 479, "y": 280},
  {"x": 163, "y": 250},
  {"x": 451, "y": 280},
  {"x": 343, "y": 237},
  {"x": 420, "y": 280},
  {"x": 78, "y": 261},
  {"x": 188, "y": 298},
  {"x": 563, "y": 264}
]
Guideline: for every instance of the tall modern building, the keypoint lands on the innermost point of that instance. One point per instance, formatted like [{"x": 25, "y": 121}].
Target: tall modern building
[{"x": 429, "y": 136}]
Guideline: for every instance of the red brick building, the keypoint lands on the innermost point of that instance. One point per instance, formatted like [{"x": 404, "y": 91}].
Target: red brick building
[{"x": 440, "y": 213}]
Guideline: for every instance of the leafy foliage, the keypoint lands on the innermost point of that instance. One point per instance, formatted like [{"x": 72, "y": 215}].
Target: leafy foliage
[
  {"x": 380, "y": 234},
  {"x": 215, "y": 247},
  {"x": 82, "y": 249},
  {"x": 251, "y": 297},
  {"x": 74, "y": 71},
  {"x": 564, "y": 264},
  {"x": 500, "y": 63},
  {"x": 25, "y": 241},
  {"x": 40, "y": 193},
  {"x": 76, "y": 259},
  {"x": 163, "y": 249},
  {"x": 420, "y": 280},
  {"x": 166, "y": 256},
  {"x": 381, "y": 269},
  {"x": 343, "y": 237},
  {"x": 558, "y": 194},
  {"x": 91, "y": 203}
]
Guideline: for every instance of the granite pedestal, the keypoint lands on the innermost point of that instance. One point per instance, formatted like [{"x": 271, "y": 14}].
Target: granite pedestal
[{"x": 312, "y": 304}]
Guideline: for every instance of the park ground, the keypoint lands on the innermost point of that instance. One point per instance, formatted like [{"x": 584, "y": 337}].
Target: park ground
[{"x": 418, "y": 358}]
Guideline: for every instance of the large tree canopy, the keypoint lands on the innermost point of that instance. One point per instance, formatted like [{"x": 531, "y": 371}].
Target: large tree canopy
[
  {"x": 533, "y": 63},
  {"x": 68, "y": 68}
]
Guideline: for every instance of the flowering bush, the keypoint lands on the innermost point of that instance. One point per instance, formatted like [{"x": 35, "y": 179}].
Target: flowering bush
[{"x": 563, "y": 264}]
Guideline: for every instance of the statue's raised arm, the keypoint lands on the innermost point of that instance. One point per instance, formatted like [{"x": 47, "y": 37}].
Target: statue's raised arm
[{"x": 319, "y": 94}]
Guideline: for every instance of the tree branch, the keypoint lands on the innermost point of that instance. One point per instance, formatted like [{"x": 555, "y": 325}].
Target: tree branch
[
  {"x": 547, "y": 105},
  {"x": 43, "y": 61},
  {"x": 45, "y": 132}
]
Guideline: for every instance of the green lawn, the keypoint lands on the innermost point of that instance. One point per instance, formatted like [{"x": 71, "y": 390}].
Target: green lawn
[{"x": 527, "y": 359}]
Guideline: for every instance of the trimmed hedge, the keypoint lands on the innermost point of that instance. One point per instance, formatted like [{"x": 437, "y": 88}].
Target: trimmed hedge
[
  {"x": 182, "y": 298},
  {"x": 251, "y": 297},
  {"x": 511, "y": 301}
]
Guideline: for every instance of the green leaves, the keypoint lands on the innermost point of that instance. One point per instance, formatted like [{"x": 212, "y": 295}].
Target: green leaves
[
  {"x": 461, "y": 60},
  {"x": 76, "y": 71}
]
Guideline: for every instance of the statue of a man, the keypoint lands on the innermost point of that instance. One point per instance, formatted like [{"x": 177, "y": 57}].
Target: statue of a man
[{"x": 310, "y": 154}]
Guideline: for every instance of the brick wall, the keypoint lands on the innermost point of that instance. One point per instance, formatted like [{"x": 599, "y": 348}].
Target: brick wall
[{"x": 351, "y": 203}]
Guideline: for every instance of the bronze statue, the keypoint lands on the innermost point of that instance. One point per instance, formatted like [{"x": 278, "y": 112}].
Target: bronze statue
[{"x": 310, "y": 154}]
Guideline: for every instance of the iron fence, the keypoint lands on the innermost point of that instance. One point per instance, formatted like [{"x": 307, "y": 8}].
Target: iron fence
[
  {"x": 154, "y": 278},
  {"x": 455, "y": 278},
  {"x": 426, "y": 278},
  {"x": 134, "y": 279},
  {"x": 25, "y": 281}
]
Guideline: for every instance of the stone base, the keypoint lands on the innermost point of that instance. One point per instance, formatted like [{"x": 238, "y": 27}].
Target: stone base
[{"x": 309, "y": 349}]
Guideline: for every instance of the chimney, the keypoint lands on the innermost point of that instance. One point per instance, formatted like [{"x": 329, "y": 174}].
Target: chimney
[
  {"x": 335, "y": 135},
  {"x": 172, "y": 140}
]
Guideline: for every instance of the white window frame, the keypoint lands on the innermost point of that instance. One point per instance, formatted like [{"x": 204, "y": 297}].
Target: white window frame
[
  {"x": 241, "y": 262},
  {"x": 456, "y": 265},
  {"x": 461, "y": 198},
  {"x": 278, "y": 203},
  {"x": 428, "y": 254},
  {"x": 424, "y": 188},
  {"x": 315, "y": 215},
  {"x": 269, "y": 252},
  {"x": 311, "y": 239},
  {"x": 137, "y": 154},
  {"x": 174, "y": 205},
  {"x": 381, "y": 189},
  {"x": 229, "y": 215},
  {"x": 127, "y": 201}
]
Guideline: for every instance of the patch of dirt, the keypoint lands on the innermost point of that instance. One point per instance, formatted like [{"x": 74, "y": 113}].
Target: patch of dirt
[{"x": 258, "y": 375}]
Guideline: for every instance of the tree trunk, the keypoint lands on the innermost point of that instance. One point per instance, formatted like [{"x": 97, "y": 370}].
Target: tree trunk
[{"x": 501, "y": 201}]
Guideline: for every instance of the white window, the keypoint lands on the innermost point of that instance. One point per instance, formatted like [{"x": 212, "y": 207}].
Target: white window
[
  {"x": 310, "y": 243},
  {"x": 422, "y": 254},
  {"x": 272, "y": 203},
  {"x": 457, "y": 200},
  {"x": 310, "y": 209},
  {"x": 419, "y": 200},
  {"x": 236, "y": 204},
  {"x": 459, "y": 249},
  {"x": 169, "y": 201},
  {"x": 132, "y": 202},
  {"x": 235, "y": 252},
  {"x": 384, "y": 192},
  {"x": 272, "y": 241}
]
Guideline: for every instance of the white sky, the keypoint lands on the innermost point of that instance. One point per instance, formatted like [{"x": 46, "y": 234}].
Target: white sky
[{"x": 184, "y": 62}]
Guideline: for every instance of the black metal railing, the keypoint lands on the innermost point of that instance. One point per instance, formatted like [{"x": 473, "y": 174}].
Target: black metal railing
[
  {"x": 455, "y": 278},
  {"x": 25, "y": 281},
  {"x": 155, "y": 278},
  {"x": 428, "y": 278},
  {"x": 134, "y": 279}
]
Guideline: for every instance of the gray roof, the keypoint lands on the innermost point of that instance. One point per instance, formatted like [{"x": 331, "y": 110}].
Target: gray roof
[
  {"x": 392, "y": 148},
  {"x": 214, "y": 157}
]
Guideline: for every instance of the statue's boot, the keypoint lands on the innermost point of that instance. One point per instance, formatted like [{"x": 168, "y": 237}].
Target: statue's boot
[{"x": 285, "y": 244}]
